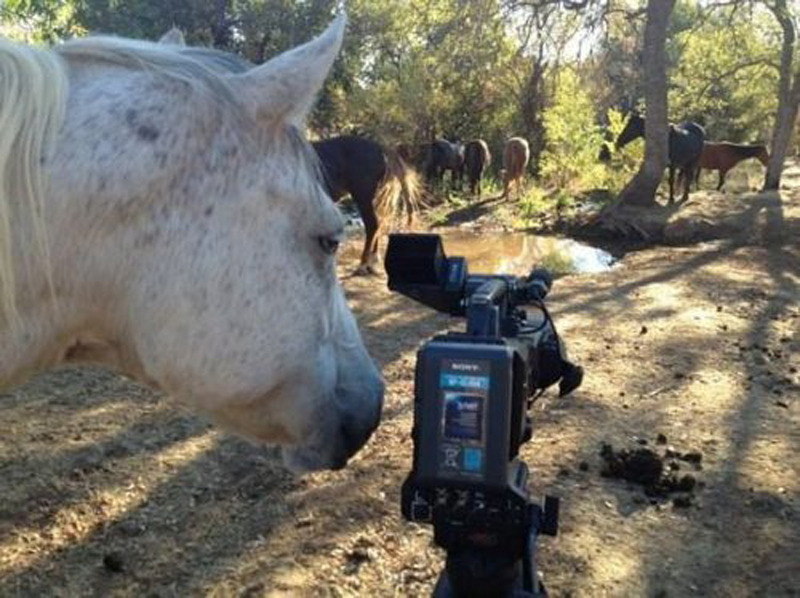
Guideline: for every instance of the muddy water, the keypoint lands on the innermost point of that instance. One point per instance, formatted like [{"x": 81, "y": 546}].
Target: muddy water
[
  {"x": 517, "y": 253},
  {"x": 503, "y": 252}
]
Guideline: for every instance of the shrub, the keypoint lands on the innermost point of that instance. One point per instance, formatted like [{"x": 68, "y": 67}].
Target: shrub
[{"x": 570, "y": 159}]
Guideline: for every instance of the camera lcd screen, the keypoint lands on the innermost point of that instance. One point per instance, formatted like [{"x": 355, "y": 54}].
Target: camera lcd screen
[{"x": 463, "y": 416}]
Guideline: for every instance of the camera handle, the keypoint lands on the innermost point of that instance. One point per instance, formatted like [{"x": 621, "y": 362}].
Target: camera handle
[
  {"x": 486, "y": 309},
  {"x": 486, "y": 571}
]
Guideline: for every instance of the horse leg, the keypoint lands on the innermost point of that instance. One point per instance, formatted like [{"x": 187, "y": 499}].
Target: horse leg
[
  {"x": 687, "y": 174},
  {"x": 369, "y": 255},
  {"x": 671, "y": 184},
  {"x": 722, "y": 174}
]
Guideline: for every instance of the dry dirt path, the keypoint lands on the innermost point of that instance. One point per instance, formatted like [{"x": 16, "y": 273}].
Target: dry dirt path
[{"x": 107, "y": 489}]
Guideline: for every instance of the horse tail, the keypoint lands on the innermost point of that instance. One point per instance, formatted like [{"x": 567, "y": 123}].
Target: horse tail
[{"x": 400, "y": 192}]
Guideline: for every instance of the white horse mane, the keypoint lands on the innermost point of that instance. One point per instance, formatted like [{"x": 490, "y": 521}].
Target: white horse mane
[
  {"x": 165, "y": 59},
  {"x": 33, "y": 98}
]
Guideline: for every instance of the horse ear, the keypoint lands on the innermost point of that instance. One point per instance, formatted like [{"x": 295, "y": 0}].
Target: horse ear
[
  {"x": 173, "y": 37},
  {"x": 284, "y": 89}
]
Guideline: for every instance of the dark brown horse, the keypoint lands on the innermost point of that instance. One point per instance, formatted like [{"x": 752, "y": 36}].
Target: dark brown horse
[
  {"x": 476, "y": 159},
  {"x": 685, "y": 146},
  {"x": 516, "y": 155},
  {"x": 380, "y": 183},
  {"x": 722, "y": 156},
  {"x": 444, "y": 155}
]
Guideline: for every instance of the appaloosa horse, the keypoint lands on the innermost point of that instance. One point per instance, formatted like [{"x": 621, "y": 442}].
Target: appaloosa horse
[
  {"x": 685, "y": 147},
  {"x": 476, "y": 159},
  {"x": 443, "y": 155},
  {"x": 379, "y": 181},
  {"x": 723, "y": 155},
  {"x": 170, "y": 221},
  {"x": 516, "y": 155}
]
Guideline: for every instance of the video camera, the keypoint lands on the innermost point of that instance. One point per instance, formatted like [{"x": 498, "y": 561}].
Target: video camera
[{"x": 472, "y": 393}]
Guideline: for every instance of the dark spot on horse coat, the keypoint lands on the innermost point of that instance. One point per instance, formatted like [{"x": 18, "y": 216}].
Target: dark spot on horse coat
[
  {"x": 144, "y": 131},
  {"x": 145, "y": 240},
  {"x": 147, "y": 133},
  {"x": 230, "y": 151},
  {"x": 209, "y": 210}
]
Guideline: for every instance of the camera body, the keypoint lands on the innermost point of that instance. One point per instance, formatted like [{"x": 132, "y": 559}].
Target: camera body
[
  {"x": 467, "y": 478},
  {"x": 472, "y": 393}
]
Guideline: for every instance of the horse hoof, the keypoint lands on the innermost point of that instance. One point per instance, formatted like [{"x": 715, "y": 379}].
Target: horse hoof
[{"x": 365, "y": 270}]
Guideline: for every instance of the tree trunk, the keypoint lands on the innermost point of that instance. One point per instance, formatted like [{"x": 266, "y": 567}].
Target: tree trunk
[
  {"x": 641, "y": 190},
  {"x": 533, "y": 103},
  {"x": 220, "y": 28},
  {"x": 788, "y": 98}
]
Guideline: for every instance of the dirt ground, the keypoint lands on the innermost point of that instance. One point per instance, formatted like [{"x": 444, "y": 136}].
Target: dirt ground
[{"x": 108, "y": 490}]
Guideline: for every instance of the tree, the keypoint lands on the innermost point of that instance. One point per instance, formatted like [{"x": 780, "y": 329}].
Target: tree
[
  {"x": 788, "y": 92},
  {"x": 202, "y": 22},
  {"x": 726, "y": 72},
  {"x": 38, "y": 20},
  {"x": 642, "y": 188},
  {"x": 428, "y": 68},
  {"x": 546, "y": 28}
]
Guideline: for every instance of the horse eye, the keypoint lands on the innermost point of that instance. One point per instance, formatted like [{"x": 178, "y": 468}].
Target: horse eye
[{"x": 328, "y": 244}]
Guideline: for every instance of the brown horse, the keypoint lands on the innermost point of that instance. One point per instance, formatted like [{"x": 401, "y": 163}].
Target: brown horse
[
  {"x": 476, "y": 159},
  {"x": 722, "y": 156},
  {"x": 515, "y": 160}
]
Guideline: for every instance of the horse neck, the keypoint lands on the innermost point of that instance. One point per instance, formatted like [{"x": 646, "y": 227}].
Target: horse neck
[
  {"x": 53, "y": 301},
  {"x": 627, "y": 136},
  {"x": 83, "y": 321}
]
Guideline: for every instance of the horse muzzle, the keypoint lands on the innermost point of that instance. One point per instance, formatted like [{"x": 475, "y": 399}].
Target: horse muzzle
[{"x": 346, "y": 434}]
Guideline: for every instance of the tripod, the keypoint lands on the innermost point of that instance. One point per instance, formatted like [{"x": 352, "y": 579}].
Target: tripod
[{"x": 499, "y": 571}]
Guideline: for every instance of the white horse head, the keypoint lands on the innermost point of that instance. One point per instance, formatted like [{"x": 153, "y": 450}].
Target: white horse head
[{"x": 169, "y": 219}]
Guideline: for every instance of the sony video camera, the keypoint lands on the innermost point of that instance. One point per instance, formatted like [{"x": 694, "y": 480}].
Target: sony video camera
[{"x": 472, "y": 394}]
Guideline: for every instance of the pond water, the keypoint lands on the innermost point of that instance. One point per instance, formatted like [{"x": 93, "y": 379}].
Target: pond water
[
  {"x": 505, "y": 252},
  {"x": 517, "y": 253}
]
